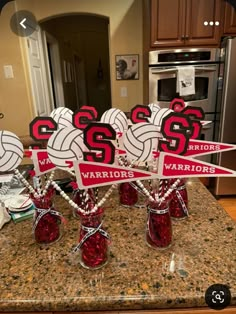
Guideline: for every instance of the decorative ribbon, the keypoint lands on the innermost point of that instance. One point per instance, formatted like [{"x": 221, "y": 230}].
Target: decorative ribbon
[
  {"x": 182, "y": 203},
  {"x": 158, "y": 211},
  {"x": 182, "y": 187},
  {"x": 90, "y": 231},
  {"x": 43, "y": 212},
  {"x": 137, "y": 188}
]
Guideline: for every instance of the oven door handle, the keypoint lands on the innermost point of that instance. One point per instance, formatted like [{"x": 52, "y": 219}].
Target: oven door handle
[
  {"x": 205, "y": 69},
  {"x": 174, "y": 70},
  {"x": 159, "y": 71}
]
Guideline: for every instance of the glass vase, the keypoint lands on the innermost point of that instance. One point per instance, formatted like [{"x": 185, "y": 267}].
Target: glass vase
[
  {"x": 128, "y": 195},
  {"x": 93, "y": 241},
  {"x": 47, "y": 222},
  {"x": 179, "y": 202},
  {"x": 159, "y": 228}
]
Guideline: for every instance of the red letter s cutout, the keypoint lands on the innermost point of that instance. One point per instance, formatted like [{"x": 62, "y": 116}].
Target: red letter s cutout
[
  {"x": 140, "y": 113},
  {"x": 82, "y": 117},
  {"x": 97, "y": 137},
  {"x": 177, "y": 104},
  {"x": 179, "y": 135},
  {"x": 36, "y": 126},
  {"x": 195, "y": 114},
  {"x": 90, "y": 108}
]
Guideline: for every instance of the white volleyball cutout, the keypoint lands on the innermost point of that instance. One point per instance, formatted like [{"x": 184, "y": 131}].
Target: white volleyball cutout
[
  {"x": 66, "y": 145},
  {"x": 11, "y": 151},
  {"x": 141, "y": 140},
  {"x": 157, "y": 117},
  {"x": 154, "y": 107},
  {"x": 65, "y": 120},
  {"x": 60, "y": 111},
  {"x": 116, "y": 118}
]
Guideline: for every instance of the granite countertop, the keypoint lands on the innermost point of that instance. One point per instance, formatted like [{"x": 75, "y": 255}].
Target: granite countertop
[{"x": 34, "y": 278}]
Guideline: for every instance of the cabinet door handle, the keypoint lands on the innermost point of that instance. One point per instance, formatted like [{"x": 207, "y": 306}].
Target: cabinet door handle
[
  {"x": 1, "y": 115},
  {"x": 187, "y": 37},
  {"x": 182, "y": 37}
]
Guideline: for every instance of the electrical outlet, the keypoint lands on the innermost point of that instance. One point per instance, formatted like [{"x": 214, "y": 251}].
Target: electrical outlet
[{"x": 123, "y": 92}]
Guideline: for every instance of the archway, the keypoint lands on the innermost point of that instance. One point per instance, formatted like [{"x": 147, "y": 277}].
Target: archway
[{"x": 82, "y": 41}]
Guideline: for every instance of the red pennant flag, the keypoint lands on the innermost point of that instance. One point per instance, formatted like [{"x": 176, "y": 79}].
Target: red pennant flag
[
  {"x": 41, "y": 161},
  {"x": 28, "y": 153},
  {"x": 120, "y": 151},
  {"x": 205, "y": 122},
  {"x": 92, "y": 174},
  {"x": 155, "y": 154},
  {"x": 199, "y": 148},
  {"x": 173, "y": 166}
]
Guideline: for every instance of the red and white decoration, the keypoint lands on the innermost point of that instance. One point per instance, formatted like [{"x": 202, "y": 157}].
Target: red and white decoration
[
  {"x": 41, "y": 161},
  {"x": 167, "y": 139}
]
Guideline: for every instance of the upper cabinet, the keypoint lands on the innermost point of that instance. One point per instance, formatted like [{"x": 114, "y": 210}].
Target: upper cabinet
[
  {"x": 229, "y": 20},
  {"x": 202, "y": 22},
  {"x": 167, "y": 23},
  {"x": 177, "y": 23}
]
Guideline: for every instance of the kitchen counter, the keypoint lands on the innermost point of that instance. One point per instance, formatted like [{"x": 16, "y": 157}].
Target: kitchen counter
[{"x": 35, "y": 278}]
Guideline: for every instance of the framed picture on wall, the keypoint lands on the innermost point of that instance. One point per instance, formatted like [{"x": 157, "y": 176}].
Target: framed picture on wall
[{"x": 127, "y": 67}]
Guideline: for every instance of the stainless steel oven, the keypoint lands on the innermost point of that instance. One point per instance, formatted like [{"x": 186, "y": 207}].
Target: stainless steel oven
[{"x": 163, "y": 67}]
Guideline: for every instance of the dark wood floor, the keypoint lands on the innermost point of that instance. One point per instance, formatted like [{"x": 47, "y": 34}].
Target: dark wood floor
[{"x": 229, "y": 204}]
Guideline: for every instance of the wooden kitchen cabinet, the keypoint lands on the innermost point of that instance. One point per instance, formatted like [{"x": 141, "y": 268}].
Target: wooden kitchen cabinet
[
  {"x": 229, "y": 20},
  {"x": 180, "y": 23},
  {"x": 198, "y": 12},
  {"x": 167, "y": 23}
]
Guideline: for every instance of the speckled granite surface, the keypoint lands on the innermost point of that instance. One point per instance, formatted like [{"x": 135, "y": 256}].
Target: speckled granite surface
[{"x": 136, "y": 277}]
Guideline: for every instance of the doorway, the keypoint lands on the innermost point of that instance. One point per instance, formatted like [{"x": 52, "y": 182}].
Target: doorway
[
  {"x": 53, "y": 57},
  {"x": 77, "y": 50},
  {"x": 80, "y": 81}
]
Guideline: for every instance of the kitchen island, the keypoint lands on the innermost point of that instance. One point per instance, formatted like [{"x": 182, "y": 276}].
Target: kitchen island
[{"x": 137, "y": 277}]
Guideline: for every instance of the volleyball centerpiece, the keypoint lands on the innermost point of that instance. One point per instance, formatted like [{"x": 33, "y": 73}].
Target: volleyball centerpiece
[
  {"x": 66, "y": 146},
  {"x": 140, "y": 142},
  {"x": 152, "y": 154}
]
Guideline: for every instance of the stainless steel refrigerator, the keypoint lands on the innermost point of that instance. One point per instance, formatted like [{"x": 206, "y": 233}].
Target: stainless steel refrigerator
[{"x": 226, "y": 116}]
